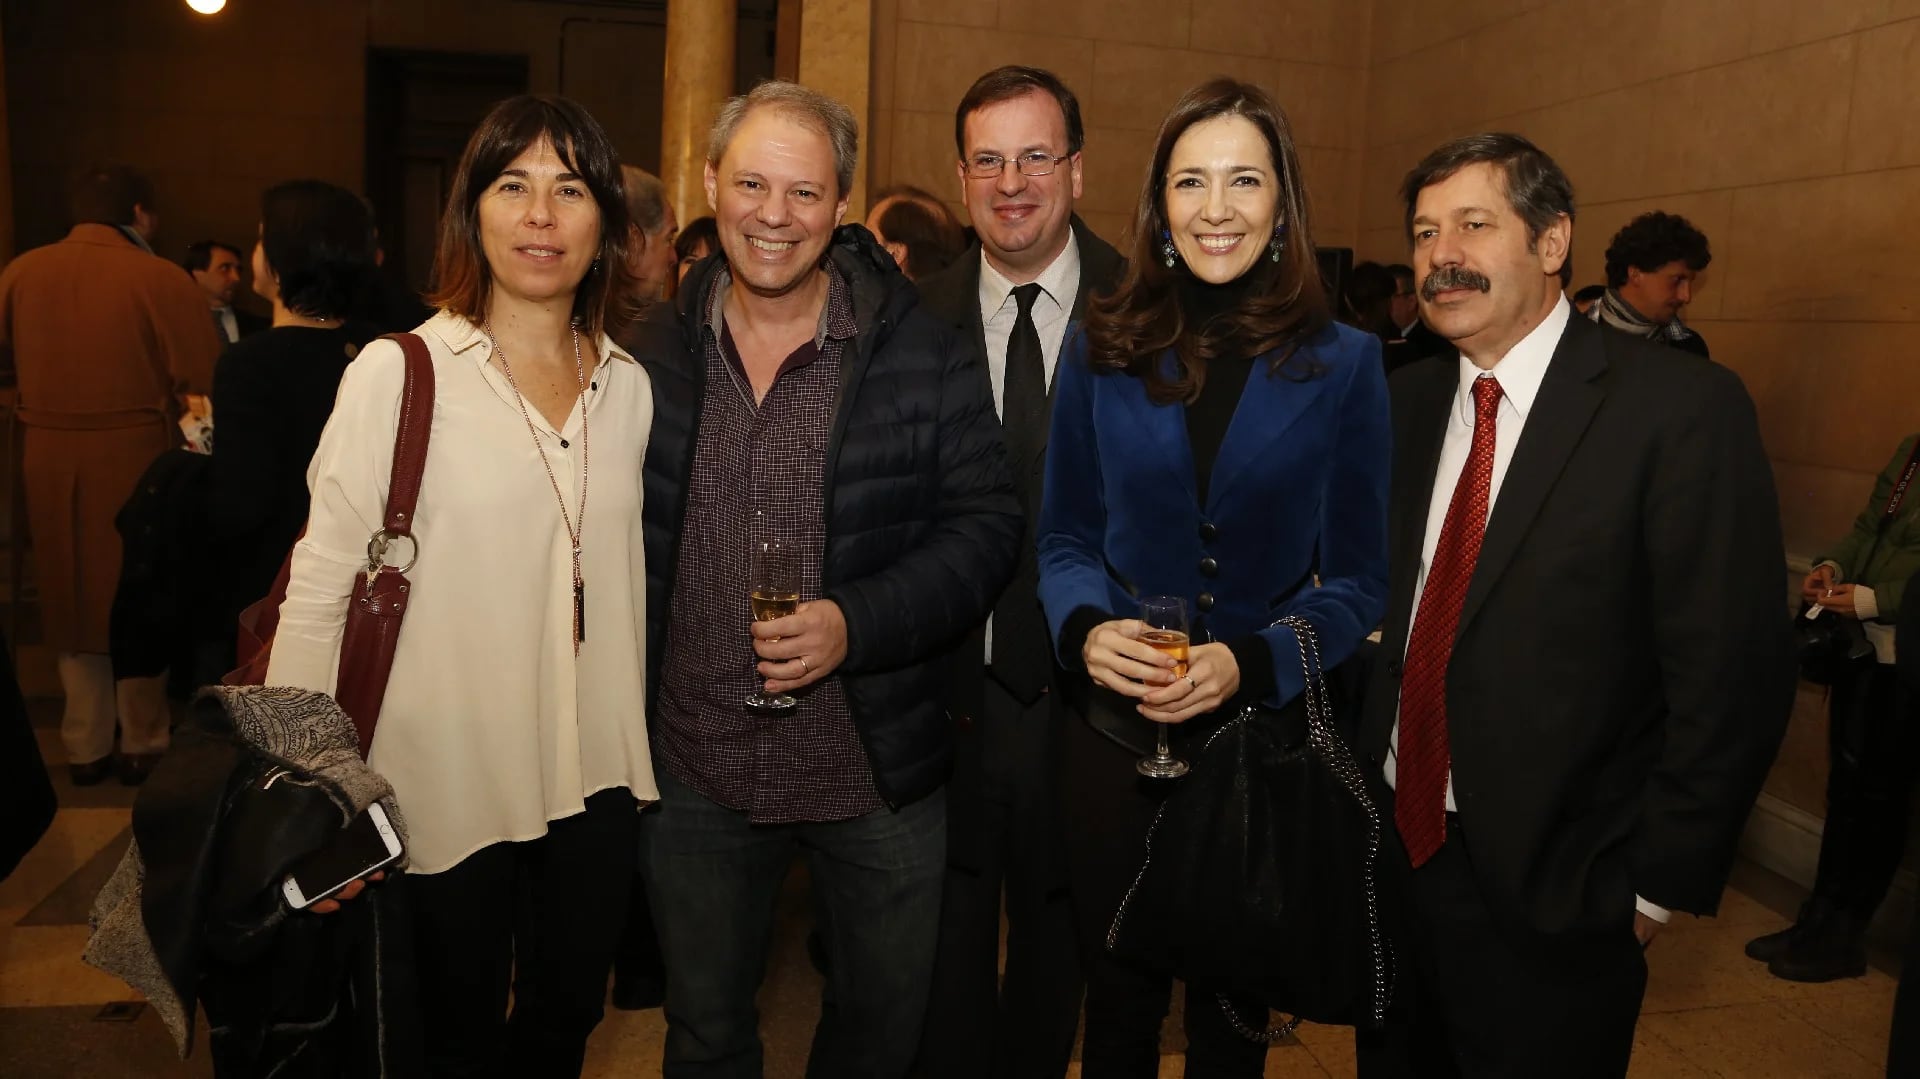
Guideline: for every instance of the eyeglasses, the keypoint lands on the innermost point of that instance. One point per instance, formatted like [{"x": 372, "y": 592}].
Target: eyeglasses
[{"x": 993, "y": 166}]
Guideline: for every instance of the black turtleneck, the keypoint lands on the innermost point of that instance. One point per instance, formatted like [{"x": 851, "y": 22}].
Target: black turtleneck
[{"x": 1209, "y": 414}]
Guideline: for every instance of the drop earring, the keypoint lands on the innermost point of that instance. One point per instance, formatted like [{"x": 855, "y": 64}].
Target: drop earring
[
  {"x": 1168, "y": 253},
  {"x": 1279, "y": 242}
]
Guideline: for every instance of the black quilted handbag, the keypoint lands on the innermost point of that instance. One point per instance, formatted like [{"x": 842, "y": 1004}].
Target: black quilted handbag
[{"x": 1259, "y": 879}]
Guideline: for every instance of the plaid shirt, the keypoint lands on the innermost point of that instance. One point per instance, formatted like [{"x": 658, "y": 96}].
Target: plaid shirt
[{"x": 758, "y": 470}]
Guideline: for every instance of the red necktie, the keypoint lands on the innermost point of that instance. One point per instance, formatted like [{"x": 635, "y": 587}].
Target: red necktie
[{"x": 1420, "y": 775}]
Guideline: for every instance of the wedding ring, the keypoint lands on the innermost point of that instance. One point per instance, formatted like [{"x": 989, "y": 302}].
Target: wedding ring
[
  {"x": 804, "y": 666},
  {"x": 1829, "y": 591},
  {"x": 1192, "y": 683}
]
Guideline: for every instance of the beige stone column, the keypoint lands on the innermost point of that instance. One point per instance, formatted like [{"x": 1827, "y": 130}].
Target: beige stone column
[
  {"x": 836, "y": 58},
  {"x": 699, "y": 76}
]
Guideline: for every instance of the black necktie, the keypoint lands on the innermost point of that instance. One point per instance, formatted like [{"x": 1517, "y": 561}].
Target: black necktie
[
  {"x": 1023, "y": 397},
  {"x": 220, "y": 325},
  {"x": 1020, "y": 649}
]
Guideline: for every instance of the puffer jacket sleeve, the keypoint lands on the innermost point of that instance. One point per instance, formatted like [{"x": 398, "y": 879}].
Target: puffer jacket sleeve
[{"x": 948, "y": 582}]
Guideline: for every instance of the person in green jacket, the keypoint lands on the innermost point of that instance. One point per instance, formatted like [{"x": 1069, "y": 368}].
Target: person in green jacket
[{"x": 1871, "y": 742}]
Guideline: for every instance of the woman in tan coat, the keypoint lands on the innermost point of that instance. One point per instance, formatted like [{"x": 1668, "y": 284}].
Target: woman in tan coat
[{"x": 104, "y": 336}]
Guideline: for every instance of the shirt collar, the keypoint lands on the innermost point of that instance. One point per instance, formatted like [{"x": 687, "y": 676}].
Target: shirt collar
[
  {"x": 836, "y": 317},
  {"x": 461, "y": 334},
  {"x": 1522, "y": 369},
  {"x": 1060, "y": 280}
]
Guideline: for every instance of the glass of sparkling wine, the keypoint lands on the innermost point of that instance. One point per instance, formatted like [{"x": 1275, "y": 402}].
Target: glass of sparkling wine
[
  {"x": 1166, "y": 619},
  {"x": 773, "y": 589}
]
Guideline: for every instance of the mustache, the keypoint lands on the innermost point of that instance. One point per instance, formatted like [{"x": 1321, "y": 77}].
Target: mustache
[{"x": 1451, "y": 277}]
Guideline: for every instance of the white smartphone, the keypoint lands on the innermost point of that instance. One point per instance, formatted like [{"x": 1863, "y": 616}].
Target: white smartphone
[{"x": 366, "y": 844}]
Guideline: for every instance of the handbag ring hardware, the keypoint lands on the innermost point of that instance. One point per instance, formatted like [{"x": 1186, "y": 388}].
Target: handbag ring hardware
[{"x": 377, "y": 550}]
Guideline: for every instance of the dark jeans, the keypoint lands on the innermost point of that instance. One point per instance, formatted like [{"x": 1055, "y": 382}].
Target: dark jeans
[
  {"x": 713, "y": 879},
  {"x": 1107, "y": 807},
  {"x": 539, "y": 917},
  {"x": 1872, "y": 746}
]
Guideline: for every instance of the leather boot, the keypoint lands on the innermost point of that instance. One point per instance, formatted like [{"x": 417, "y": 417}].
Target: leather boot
[
  {"x": 1834, "y": 949},
  {"x": 1813, "y": 913}
]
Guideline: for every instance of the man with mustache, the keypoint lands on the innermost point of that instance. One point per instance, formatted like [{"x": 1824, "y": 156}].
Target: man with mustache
[
  {"x": 1591, "y": 667},
  {"x": 1015, "y": 295}
]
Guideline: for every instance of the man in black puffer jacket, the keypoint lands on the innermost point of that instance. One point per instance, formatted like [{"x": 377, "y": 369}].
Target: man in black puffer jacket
[{"x": 802, "y": 396}]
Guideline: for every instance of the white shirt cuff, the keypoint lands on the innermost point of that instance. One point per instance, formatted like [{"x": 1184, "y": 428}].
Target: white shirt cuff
[
  {"x": 1866, "y": 606},
  {"x": 1652, "y": 910}
]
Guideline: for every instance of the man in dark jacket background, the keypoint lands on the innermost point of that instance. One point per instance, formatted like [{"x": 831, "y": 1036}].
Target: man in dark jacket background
[{"x": 804, "y": 397}]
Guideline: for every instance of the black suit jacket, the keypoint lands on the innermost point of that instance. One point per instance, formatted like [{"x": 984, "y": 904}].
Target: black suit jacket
[
  {"x": 954, "y": 294},
  {"x": 1623, "y": 671}
]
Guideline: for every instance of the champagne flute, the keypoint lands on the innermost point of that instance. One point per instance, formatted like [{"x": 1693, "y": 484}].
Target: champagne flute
[
  {"x": 1166, "y": 619},
  {"x": 773, "y": 590}
]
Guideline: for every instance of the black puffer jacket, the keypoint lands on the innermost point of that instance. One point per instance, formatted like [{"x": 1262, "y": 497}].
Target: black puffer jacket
[{"x": 923, "y": 528}]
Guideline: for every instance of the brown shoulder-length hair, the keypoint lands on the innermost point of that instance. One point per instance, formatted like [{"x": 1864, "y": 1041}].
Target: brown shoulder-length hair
[
  {"x": 1130, "y": 328},
  {"x": 462, "y": 281}
]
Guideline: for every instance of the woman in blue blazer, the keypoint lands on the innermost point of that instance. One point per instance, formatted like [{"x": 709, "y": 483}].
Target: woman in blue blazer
[{"x": 1215, "y": 437}]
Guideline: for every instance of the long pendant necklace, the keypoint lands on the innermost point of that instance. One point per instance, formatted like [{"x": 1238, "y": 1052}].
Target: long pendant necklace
[{"x": 575, "y": 528}]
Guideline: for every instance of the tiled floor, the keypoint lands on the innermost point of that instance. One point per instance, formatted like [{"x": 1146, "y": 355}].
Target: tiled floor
[{"x": 1709, "y": 1010}]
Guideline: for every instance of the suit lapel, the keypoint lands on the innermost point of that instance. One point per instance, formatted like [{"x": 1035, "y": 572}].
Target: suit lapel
[
  {"x": 1568, "y": 397},
  {"x": 1423, "y": 398},
  {"x": 1164, "y": 427},
  {"x": 1428, "y": 413},
  {"x": 1268, "y": 407}
]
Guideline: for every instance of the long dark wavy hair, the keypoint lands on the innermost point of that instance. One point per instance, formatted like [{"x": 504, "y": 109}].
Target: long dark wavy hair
[{"x": 1130, "y": 328}]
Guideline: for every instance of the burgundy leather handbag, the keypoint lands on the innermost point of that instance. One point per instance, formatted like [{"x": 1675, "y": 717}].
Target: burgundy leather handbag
[{"x": 381, "y": 591}]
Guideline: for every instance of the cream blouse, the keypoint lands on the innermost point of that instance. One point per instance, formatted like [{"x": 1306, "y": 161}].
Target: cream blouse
[{"x": 490, "y": 727}]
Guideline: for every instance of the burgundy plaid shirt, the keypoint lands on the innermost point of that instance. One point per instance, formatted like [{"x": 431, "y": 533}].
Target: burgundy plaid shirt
[{"x": 758, "y": 471}]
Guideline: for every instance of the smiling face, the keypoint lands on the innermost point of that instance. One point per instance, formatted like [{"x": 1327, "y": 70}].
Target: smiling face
[
  {"x": 1222, "y": 197},
  {"x": 1022, "y": 220},
  {"x": 776, "y": 199},
  {"x": 539, "y": 226},
  {"x": 1484, "y": 282}
]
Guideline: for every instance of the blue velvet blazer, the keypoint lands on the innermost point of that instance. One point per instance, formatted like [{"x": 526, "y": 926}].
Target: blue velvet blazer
[{"x": 1299, "y": 488}]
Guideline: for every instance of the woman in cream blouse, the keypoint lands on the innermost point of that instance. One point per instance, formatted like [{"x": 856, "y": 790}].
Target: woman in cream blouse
[{"x": 513, "y": 728}]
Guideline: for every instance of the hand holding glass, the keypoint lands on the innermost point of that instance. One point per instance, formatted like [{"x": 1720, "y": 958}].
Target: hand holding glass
[
  {"x": 1166, "y": 619},
  {"x": 773, "y": 587}
]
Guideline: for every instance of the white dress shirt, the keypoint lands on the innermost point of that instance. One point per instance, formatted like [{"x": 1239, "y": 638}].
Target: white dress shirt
[
  {"x": 1059, "y": 284},
  {"x": 1519, "y": 373},
  {"x": 491, "y": 727},
  {"x": 229, "y": 325}
]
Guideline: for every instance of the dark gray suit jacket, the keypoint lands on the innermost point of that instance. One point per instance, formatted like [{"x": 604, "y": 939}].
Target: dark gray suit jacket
[
  {"x": 1623, "y": 668},
  {"x": 954, "y": 295}
]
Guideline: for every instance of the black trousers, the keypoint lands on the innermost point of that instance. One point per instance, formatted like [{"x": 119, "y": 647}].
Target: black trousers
[
  {"x": 1903, "y": 1048},
  {"x": 540, "y": 918},
  {"x": 1107, "y": 807},
  {"x": 638, "y": 959},
  {"x": 1873, "y": 738},
  {"x": 1003, "y": 830},
  {"x": 1480, "y": 999}
]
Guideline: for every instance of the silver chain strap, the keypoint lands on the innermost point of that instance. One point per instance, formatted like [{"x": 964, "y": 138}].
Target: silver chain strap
[{"x": 1339, "y": 760}]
